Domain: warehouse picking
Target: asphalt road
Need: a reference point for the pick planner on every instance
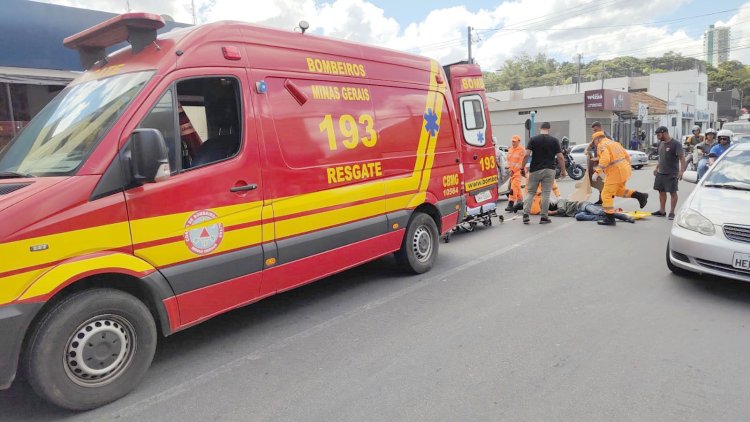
(568, 321)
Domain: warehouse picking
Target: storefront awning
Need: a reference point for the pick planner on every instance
(19, 75)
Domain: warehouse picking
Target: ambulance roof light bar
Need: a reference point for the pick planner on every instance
(137, 28)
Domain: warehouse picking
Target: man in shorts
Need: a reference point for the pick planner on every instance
(668, 171)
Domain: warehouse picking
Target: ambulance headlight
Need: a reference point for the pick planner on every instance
(693, 220)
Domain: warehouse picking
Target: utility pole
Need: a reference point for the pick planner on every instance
(604, 69)
(192, 2)
(468, 32)
(578, 81)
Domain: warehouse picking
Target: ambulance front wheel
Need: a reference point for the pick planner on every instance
(90, 349)
(420, 246)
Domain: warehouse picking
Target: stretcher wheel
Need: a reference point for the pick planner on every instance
(487, 222)
(501, 218)
(447, 237)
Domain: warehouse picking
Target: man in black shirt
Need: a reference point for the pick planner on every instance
(668, 171)
(544, 150)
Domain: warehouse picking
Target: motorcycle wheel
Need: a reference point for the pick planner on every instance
(577, 172)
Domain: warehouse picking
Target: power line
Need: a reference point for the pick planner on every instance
(615, 26)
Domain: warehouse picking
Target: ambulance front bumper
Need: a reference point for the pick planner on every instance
(14, 321)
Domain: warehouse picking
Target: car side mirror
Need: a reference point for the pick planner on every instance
(690, 176)
(149, 160)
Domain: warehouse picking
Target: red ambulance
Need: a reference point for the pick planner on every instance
(208, 168)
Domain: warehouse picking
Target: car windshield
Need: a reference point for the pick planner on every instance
(63, 134)
(737, 127)
(731, 172)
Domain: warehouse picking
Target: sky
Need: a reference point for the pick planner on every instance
(562, 29)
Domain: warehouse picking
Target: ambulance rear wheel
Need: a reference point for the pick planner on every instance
(420, 246)
(90, 349)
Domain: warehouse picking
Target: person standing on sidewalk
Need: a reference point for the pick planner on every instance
(515, 158)
(544, 150)
(668, 171)
(614, 162)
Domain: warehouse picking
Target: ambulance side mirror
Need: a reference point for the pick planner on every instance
(149, 160)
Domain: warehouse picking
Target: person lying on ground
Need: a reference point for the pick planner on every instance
(581, 210)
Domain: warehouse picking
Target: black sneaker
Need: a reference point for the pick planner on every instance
(526, 219)
(544, 220)
(609, 220)
(509, 208)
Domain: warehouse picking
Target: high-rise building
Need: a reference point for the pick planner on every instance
(716, 45)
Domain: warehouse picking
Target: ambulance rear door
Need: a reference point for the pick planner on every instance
(477, 151)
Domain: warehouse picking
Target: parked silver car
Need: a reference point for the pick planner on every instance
(638, 159)
(711, 232)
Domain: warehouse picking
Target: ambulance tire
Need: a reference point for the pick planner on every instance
(117, 334)
(419, 248)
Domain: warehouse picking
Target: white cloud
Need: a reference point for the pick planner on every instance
(612, 27)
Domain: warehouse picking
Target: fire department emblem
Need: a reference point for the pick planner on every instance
(203, 239)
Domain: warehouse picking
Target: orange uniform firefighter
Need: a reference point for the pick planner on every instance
(536, 205)
(515, 160)
(614, 162)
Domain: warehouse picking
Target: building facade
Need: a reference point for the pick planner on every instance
(684, 92)
(32, 72)
(728, 103)
(716, 45)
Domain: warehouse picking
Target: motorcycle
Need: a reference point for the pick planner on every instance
(575, 171)
(653, 153)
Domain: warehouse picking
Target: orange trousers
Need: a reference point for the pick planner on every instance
(516, 194)
(609, 192)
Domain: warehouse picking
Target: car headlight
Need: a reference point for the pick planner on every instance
(693, 220)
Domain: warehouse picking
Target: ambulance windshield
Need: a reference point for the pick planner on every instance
(58, 140)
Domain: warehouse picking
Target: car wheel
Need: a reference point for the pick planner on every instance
(675, 269)
(419, 248)
(90, 349)
(637, 167)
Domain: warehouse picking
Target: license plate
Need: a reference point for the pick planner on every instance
(483, 196)
(741, 261)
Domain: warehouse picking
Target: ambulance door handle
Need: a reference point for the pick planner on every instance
(251, 186)
(476, 156)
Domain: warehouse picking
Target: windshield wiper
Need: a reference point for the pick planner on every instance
(728, 186)
(14, 175)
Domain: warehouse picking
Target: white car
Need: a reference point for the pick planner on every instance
(638, 159)
(711, 232)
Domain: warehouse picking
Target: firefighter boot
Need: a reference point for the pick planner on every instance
(641, 197)
(609, 220)
(509, 208)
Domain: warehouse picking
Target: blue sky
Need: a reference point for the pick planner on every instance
(597, 29)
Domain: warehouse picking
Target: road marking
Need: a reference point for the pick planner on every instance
(230, 366)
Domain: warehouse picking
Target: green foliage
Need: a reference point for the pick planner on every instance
(525, 71)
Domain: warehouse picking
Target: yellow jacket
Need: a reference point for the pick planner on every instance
(614, 161)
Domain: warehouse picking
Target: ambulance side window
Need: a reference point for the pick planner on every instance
(472, 116)
(162, 117)
(209, 114)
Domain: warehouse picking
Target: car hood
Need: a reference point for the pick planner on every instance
(722, 206)
(14, 191)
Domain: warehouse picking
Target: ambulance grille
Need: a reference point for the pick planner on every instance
(6, 189)
(737, 233)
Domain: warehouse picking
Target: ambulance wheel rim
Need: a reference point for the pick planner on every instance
(422, 244)
(99, 351)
